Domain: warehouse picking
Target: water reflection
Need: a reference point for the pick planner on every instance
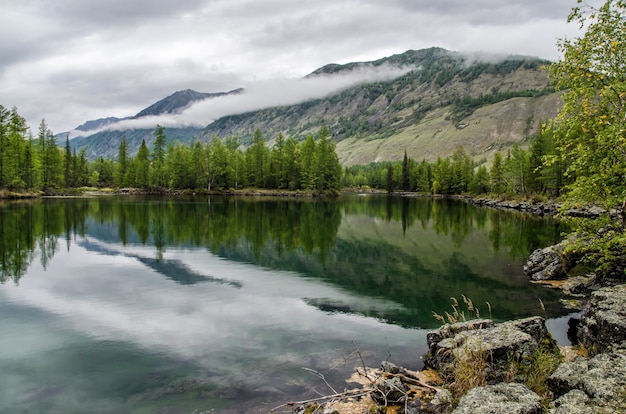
(199, 303)
(415, 252)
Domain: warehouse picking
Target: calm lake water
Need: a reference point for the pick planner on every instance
(146, 305)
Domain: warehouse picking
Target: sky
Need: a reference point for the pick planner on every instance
(69, 61)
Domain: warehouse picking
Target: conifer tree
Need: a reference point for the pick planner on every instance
(158, 157)
(122, 164)
(142, 161)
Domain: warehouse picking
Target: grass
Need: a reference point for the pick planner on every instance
(461, 313)
(469, 371)
(541, 367)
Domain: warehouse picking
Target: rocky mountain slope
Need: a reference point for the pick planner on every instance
(446, 100)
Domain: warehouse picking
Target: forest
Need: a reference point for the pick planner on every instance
(38, 164)
(311, 165)
(519, 172)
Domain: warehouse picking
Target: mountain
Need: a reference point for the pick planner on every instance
(178, 101)
(442, 100)
(98, 123)
(106, 142)
(447, 99)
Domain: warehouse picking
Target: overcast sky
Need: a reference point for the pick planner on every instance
(70, 61)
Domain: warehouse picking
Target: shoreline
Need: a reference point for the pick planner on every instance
(596, 362)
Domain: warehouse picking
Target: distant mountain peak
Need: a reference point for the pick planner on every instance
(97, 123)
(179, 100)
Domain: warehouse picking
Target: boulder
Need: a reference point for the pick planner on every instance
(593, 385)
(602, 326)
(547, 264)
(586, 212)
(498, 345)
(510, 398)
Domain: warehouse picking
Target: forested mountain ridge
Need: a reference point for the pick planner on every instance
(446, 100)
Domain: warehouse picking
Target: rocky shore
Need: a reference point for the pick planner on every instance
(478, 366)
(593, 381)
(510, 367)
(537, 207)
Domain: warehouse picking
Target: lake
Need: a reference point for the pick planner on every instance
(180, 305)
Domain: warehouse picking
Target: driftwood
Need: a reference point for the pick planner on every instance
(384, 386)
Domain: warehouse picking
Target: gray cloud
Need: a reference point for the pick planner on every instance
(69, 60)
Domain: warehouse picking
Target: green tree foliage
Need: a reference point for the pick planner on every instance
(389, 182)
(217, 165)
(158, 157)
(442, 176)
(406, 176)
(517, 170)
(221, 167)
(462, 170)
(590, 130)
(104, 170)
(142, 162)
(307, 166)
(424, 177)
(68, 172)
(480, 181)
(497, 174)
(257, 157)
(327, 170)
(17, 160)
(121, 169)
(50, 158)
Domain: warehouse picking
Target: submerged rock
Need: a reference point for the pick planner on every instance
(511, 398)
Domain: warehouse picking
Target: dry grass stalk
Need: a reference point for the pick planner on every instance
(461, 313)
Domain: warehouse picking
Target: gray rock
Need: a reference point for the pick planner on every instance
(547, 263)
(567, 376)
(602, 379)
(606, 378)
(602, 326)
(443, 398)
(449, 330)
(390, 391)
(533, 326)
(574, 402)
(497, 344)
(588, 212)
(509, 398)
(581, 285)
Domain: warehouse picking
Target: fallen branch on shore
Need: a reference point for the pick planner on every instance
(386, 386)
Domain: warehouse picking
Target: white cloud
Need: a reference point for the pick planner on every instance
(181, 319)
